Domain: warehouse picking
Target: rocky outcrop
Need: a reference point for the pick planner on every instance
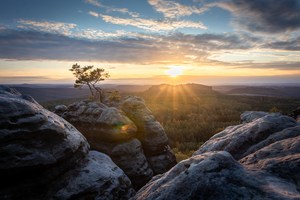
(100, 123)
(42, 156)
(249, 116)
(151, 134)
(216, 175)
(259, 159)
(239, 140)
(130, 135)
(110, 131)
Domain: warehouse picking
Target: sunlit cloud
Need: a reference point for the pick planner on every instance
(148, 24)
(172, 9)
(46, 26)
(207, 50)
(112, 9)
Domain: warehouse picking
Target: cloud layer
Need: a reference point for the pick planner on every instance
(142, 49)
(172, 9)
(268, 16)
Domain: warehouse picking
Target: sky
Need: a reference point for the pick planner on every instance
(140, 41)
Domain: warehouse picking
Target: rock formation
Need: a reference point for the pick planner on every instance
(42, 156)
(151, 134)
(131, 136)
(259, 159)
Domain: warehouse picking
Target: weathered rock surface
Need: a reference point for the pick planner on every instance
(216, 175)
(129, 156)
(131, 136)
(249, 116)
(96, 178)
(99, 122)
(237, 140)
(110, 131)
(255, 160)
(150, 133)
(42, 156)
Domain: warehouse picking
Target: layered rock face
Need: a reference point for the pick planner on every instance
(42, 156)
(259, 159)
(151, 134)
(131, 136)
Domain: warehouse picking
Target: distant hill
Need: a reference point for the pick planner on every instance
(275, 91)
(132, 88)
(166, 91)
(51, 94)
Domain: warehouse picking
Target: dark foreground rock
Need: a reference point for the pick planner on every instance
(255, 160)
(42, 156)
(131, 136)
(216, 175)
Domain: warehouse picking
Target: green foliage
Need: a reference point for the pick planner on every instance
(192, 120)
(88, 76)
(114, 96)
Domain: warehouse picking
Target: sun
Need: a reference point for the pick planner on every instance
(174, 71)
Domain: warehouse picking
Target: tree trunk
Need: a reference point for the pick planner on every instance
(100, 93)
(91, 90)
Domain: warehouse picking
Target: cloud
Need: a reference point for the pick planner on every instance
(289, 44)
(142, 49)
(273, 65)
(46, 26)
(265, 16)
(112, 9)
(68, 29)
(172, 9)
(148, 24)
(93, 2)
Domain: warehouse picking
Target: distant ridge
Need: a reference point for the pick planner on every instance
(183, 90)
(266, 91)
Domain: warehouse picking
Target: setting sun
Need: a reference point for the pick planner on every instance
(174, 71)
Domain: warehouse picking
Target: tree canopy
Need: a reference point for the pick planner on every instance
(89, 76)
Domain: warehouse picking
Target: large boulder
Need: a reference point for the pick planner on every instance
(110, 131)
(280, 157)
(216, 175)
(237, 140)
(129, 156)
(130, 135)
(97, 177)
(249, 116)
(42, 156)
(259, 159)
(99, 122)
(150, 133)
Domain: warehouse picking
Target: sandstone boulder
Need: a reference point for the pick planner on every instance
(129, 157)
(150, 133)
(97, 177)
(42, 156)
(216, 175)
(237, 140)
(99, 122)
(131, 136)
(110, 131)
(249, 116)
